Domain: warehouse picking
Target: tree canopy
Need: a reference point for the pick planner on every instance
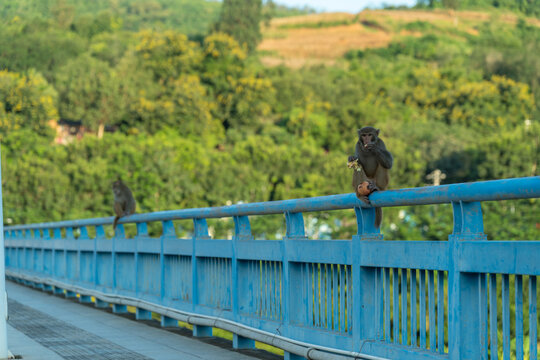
(192, 119)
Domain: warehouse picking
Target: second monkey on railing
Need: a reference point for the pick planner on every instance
(371, 163)
(124, 202)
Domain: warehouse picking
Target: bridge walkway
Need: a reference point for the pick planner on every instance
(50, 327)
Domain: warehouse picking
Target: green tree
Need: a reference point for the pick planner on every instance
(89, 90)
(27, 102)
(167, 54)
(241, 19)
(241, 93)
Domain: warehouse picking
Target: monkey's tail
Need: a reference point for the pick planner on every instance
(115, 221)
(378, 217)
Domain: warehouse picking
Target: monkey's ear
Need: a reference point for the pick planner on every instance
(377, 132)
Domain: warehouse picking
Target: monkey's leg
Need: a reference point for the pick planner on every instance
(378, 211)
(119, 211)
(115, 222)
(372, 185)
(378, 217)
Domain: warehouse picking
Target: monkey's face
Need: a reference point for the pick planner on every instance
(117, 187)
(367, 138)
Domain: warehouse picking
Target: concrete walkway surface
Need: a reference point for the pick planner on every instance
(42, 326)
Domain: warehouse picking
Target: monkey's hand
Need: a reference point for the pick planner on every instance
(371, 147)
(372, 186)
(364, 198)
(352, 158)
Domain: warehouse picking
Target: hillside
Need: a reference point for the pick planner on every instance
(171, 108)
(324, 38)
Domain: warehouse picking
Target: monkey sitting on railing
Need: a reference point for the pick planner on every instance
(124, 202)
(371, 163)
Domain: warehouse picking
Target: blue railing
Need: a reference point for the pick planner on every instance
(318, 299)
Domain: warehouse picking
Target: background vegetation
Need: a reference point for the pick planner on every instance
(189, 116)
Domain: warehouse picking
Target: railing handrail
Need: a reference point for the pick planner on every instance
(491, 190)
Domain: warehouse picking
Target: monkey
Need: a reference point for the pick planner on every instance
(374, 163)
(124, 203)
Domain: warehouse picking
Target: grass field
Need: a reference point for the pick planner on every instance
(325, 38)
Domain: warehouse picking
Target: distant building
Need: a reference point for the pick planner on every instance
(68, 130)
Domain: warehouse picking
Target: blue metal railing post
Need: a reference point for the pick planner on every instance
(200, 232)
(57, 236)
(364, 281)
(242, 232)
(467, 296)
(142, 231)
(295, 230)
(98, 240)
(169, 231)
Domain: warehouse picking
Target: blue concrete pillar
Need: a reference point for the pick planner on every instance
(85, 299)
(101, 304)
(142, 314)
(240, 342)
(168, 321)
(290, 356)
(202, 331)
(119, 309)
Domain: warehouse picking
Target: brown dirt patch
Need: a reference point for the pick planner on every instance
(311, 45)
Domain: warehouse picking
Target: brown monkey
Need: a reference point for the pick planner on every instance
(374, 163)
(124, 203)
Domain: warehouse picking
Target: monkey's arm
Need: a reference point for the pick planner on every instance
(356, 155)
(385, 159)
(383, 156)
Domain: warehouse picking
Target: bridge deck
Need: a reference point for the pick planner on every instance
(49, 327)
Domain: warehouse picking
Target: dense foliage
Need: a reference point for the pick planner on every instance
(527, 7)
(191, 121)
(240, 19)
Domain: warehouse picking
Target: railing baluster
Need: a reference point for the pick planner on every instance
(413, 308)
(309, 294)
(440, 311)
(422, 297)
(349, 299)
(273, 266)
(200, 232)
(506, 316)
(431, 305)
(533, 318)
(387, 314)
(342, 295)
(483, 315)
(493, 316)
(335, 300)
(265, 288)
(404, 335)
(327, 299)
(519, 317)
(395, 307)
(317, 304)
(380, 304)
(257, 286)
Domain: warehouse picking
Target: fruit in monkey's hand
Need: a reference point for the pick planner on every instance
(354, 165)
